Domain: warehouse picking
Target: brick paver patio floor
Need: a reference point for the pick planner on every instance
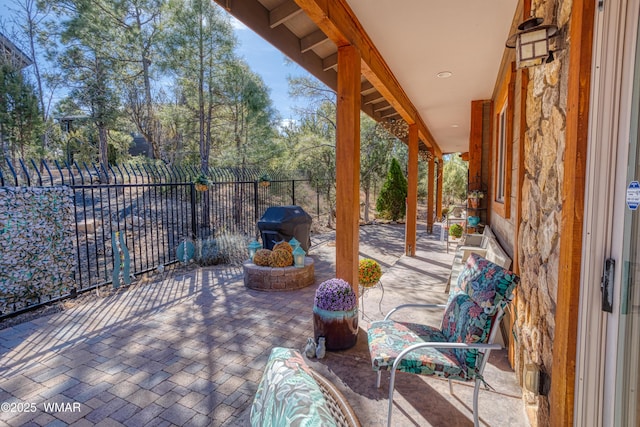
(189, 349)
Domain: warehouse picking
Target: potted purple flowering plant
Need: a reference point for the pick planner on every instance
(335, 314)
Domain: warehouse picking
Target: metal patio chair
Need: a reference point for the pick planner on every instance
(460, 348)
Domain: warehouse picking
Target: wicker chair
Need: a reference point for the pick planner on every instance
(291, 392)
(338, 405)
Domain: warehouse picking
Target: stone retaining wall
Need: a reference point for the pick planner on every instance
(37, 258)
(280, 278)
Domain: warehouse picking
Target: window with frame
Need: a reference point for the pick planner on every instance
(502, 146)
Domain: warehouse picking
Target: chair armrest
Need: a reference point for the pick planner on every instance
(414, 347)
(403, 306)
(468, 251)
(473, 240)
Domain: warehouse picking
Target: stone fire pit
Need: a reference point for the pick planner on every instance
(278, 278)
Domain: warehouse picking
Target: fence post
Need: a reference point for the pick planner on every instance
(318, 201)
(293, 191)
(194, 217)
(255, 200)
(13, 172)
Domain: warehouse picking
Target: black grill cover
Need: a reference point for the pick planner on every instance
(280, 223)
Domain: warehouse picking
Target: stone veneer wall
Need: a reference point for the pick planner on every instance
(37, 258)
(539, 237)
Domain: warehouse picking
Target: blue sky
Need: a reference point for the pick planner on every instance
(271, 65)
(263, 59)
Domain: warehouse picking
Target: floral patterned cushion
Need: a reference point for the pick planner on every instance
(388, 338)
(465, 321)
(288, 395)
(488, 284)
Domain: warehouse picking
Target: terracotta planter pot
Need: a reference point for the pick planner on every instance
(340, 328)
(473, 202)
(201, 187)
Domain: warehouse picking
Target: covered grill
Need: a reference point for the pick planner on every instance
(280, 223)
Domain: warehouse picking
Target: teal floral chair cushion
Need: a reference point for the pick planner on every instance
(465, 321)
(388, 338)
(288, 395)
(488, 284)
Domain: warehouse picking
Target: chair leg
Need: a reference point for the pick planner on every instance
(476, 391)
(378, 378)
(450, 386)
(392, 381)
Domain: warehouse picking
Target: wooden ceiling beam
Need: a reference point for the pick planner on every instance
(313, 40)
(283, 13)
(381, 106)
(366, 88)
(372, 98)
(390, 115)
(330, 62)
(255, 16)
(336, 19)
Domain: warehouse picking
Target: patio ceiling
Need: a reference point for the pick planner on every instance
(416, 40)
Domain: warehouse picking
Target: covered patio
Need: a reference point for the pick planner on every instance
(188, 348)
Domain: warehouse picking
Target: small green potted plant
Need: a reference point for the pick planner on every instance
(445, 213)
(456, 231)
(201, 182)
(369, 272)
(264, 180)
(335, 314)
(474, 198)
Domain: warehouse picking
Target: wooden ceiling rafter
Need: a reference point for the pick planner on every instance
(336, 19)
(281, 14)
(391, 115)
(282, 24)
(330, 62)
(257, 17)
(366, 88)
(313, 40)
(381, 106)
(372, 98)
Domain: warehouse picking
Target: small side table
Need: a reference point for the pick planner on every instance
(365, 289)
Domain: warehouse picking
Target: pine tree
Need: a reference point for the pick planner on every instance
(392, 198)
(20, 120)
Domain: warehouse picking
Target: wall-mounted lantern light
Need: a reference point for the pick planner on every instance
(531, 42)
(298, 257)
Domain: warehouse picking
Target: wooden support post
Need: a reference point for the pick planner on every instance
(412, 193)
(430, 190)
(348, 165)
(475, 145)
(439, 191)
(562, 393)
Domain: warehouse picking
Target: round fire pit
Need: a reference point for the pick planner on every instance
(278, 278)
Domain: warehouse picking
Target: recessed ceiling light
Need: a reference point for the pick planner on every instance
(455, 126)
(444, 74)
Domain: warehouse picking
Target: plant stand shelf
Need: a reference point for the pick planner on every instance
(366, 289)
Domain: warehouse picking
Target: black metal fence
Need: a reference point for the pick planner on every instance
(156, 207)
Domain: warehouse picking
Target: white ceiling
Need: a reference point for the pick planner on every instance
(420, 38)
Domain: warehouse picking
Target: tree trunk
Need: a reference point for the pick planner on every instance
(31, 29)
(151, 122)
(366, 204)
(103, 144)
(204, 147)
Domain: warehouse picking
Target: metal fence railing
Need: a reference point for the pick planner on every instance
(155, 207)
